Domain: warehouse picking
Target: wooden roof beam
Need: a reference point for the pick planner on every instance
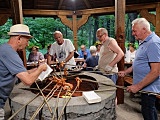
(104, 10)
(111, 10)
(87, 4)
(60, 4)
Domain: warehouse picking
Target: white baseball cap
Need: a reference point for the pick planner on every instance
(20, 29)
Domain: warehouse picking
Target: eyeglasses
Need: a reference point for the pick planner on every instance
(99, 36)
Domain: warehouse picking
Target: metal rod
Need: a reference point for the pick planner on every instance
(27, 103)
(65, 113)
(99, 90)
(123, 87)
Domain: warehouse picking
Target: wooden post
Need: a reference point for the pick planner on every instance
(17, 17)
(120, 37)
(157, 30)
(74, 25)
(75, 31)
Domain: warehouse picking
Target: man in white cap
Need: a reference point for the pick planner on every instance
(11, 65)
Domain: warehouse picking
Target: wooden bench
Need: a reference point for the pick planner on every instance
(128, 80)
(158, 97)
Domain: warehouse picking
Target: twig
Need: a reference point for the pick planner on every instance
(56, 107)
(40, 107)
(28, 103)
(67, 102)
(44, 98)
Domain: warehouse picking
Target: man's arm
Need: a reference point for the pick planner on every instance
(115, 48)
(125, 72)
(49, 59)
(30, 76)
(71, 54)
(148, 79)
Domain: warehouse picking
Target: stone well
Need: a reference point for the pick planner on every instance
(76, 109)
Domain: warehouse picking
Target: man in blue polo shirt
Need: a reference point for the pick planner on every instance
(146, 67)
(84, 53)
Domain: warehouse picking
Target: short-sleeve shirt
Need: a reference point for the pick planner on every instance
(81, 54)
(92, 61)
(10, 65)
(62, 52)
(35, 58)
(148, 52)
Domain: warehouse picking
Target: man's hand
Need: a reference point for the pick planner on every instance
(62, 64)
(42, 61)
(133, 88)
(43, 66)
(121, 73)
(108, 68)
(95, 68)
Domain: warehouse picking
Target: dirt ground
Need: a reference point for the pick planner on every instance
(130, 110)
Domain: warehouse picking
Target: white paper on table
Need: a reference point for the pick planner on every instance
(44, 74)
(91, 97)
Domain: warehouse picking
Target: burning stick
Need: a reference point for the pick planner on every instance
(78, 83)
(28, 102)
(56, 107)
(44, 98)
(47, 98)
(65, 72)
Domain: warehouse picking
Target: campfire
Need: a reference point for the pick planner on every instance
(68, 84)
(59, 96)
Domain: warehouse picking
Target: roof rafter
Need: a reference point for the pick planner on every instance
(60, 4)
(87, 4)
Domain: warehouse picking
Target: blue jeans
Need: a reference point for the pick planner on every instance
(148, 108)
(113, 77)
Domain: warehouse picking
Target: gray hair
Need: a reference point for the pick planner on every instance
(93, 49)
(57, 32)
(103, 31)
(142, 22)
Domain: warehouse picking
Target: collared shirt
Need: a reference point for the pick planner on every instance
(148, 52)
(10, 65)
(81, 54)
(35, 57)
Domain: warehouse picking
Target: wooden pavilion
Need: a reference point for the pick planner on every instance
(80, 11)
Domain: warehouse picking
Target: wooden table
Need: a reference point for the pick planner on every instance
(79, 59)
(127, 65)
(31, 65)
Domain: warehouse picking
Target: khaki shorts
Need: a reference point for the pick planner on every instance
(1, 114)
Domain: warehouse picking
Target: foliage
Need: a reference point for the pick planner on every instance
(4, 29)
(42, 29)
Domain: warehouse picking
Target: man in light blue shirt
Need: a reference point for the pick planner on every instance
(146, 67)
(84, 53)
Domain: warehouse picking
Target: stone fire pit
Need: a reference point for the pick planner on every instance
(76, 109)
